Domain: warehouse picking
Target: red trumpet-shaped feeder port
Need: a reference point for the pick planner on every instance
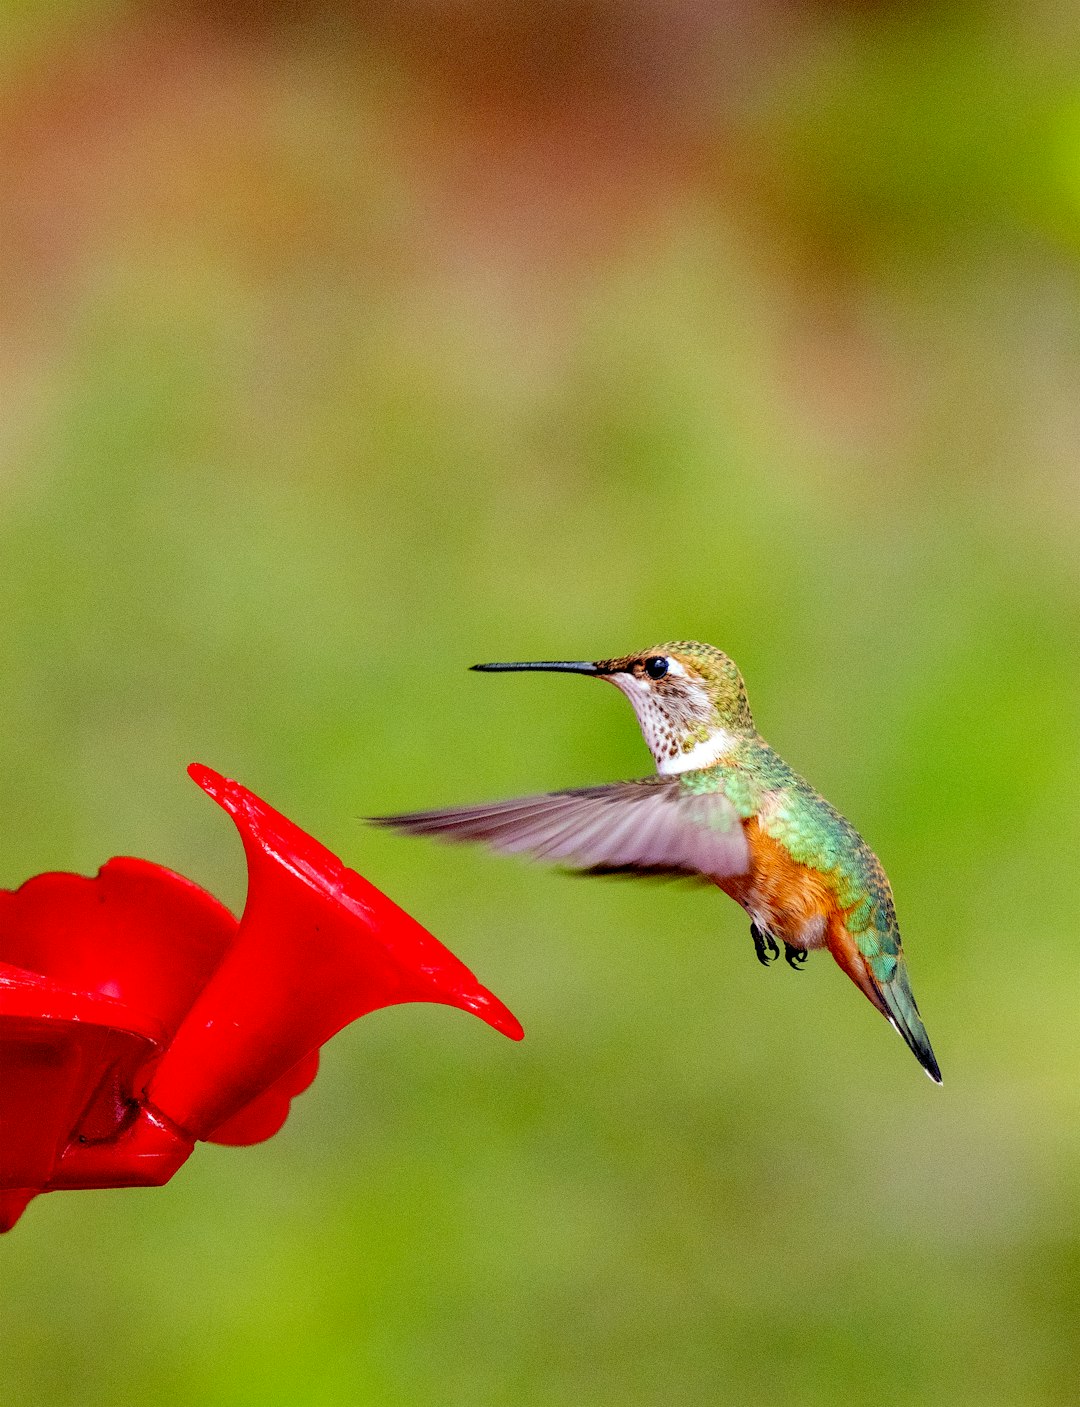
(138, 1016)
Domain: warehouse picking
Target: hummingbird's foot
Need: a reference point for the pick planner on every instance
(795, 957)
(764, 945)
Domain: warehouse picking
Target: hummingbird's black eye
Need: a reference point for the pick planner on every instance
(656, 666)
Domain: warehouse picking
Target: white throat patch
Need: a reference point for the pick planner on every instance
(703, 754)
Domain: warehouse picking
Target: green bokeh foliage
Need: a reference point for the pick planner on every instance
(263, 512)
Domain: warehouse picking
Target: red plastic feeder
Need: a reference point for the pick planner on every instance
(138, 1016)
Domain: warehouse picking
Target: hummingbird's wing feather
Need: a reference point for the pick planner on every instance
(652, 826)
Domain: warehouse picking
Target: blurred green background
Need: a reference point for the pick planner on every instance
(344, 345)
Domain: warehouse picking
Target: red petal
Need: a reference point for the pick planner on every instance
(135, 932)
(318, 947)
(267, 1111)
(13, 1204)
(67, 1059)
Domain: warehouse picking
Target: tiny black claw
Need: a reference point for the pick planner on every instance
(764, 945)
(795, 957)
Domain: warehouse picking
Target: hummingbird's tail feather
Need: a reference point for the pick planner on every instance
(893, 998)
(899, 1006)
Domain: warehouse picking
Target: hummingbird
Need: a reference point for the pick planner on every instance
(724, 808)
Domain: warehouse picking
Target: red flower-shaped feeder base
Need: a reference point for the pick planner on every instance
(138, 1016)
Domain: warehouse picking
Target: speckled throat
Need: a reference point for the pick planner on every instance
(679, 729)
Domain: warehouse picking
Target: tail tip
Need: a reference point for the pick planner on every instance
(928, 1061)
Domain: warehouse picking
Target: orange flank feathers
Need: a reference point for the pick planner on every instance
(794, 902)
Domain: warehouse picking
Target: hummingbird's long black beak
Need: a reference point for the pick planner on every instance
(547, 666)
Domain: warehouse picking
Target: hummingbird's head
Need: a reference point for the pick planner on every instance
(690, 699)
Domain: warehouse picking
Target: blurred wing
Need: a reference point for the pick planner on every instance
(653, 826)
